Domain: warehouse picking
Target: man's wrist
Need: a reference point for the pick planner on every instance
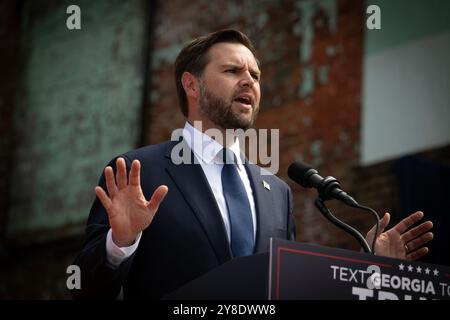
(115, 255)
(121, 243)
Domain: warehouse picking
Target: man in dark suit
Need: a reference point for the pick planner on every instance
(216, 207)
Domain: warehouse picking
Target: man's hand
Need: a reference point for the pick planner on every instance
(401, 242)
(129, 212)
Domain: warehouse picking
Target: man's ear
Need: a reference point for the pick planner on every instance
(190, 84)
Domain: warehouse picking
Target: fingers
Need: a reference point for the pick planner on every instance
(157, 197)
(417, 231)
(406, 223)
(110, 182)
(383, 225)
(384, 222)
(134, 177)
(104, 199)
(121, 174)
(417, 254)
(420, 241)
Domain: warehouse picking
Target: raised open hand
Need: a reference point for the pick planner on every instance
(129, 212)
(401, 241)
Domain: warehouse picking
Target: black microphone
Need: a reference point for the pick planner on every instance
(329, 187)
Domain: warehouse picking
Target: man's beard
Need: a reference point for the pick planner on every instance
(221, 113)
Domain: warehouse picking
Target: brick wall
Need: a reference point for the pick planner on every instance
(311, 58)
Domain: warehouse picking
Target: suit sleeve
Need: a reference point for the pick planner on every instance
(291, 229)
(98, 279)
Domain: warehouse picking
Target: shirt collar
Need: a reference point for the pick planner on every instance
(205, 148)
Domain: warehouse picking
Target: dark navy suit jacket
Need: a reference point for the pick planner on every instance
(186, 238)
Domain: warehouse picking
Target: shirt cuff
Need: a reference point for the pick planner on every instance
(115, 255)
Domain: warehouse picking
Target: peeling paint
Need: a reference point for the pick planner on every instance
(316, 152)
(154, 96)
(307, 121)
(307, 84)
(304, 28)
(165, 55)
(330, 8)
(322, 74)
(299, 157)
(344, 137)
(276, 101)
(331, 51)
(308, 101)
(262, 20)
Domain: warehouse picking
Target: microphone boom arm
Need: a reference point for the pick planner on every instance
(320, 204)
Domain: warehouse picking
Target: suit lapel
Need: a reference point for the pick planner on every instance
(264, 205)
(193, 185)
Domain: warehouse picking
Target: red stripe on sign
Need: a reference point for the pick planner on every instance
(280, 249)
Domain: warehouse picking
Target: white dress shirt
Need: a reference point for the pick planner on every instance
(206, 151)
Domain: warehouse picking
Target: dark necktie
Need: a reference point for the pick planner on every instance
(240, 214)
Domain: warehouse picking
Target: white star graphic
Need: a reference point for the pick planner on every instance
(410, 268)
(427, 271)
(435, 272)
(401, 266)
(419, 269)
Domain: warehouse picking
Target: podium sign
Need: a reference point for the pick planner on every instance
(304, 271)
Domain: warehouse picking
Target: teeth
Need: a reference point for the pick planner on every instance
(245, 100)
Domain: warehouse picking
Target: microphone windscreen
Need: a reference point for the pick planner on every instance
(297, 172)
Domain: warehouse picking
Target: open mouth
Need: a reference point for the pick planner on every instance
(244, 100)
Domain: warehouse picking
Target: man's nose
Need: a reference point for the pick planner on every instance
(247, 80)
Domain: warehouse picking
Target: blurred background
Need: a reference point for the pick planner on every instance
(370, 107)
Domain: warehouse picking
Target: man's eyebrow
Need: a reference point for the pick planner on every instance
(232, 65)
(240, 66)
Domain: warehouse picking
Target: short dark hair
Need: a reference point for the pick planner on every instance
(193, 57)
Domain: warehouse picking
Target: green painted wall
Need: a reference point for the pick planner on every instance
(406, 20)
(406, 80)
(81, 106)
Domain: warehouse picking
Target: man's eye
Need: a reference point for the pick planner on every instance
(231, 70)
(255, 76)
